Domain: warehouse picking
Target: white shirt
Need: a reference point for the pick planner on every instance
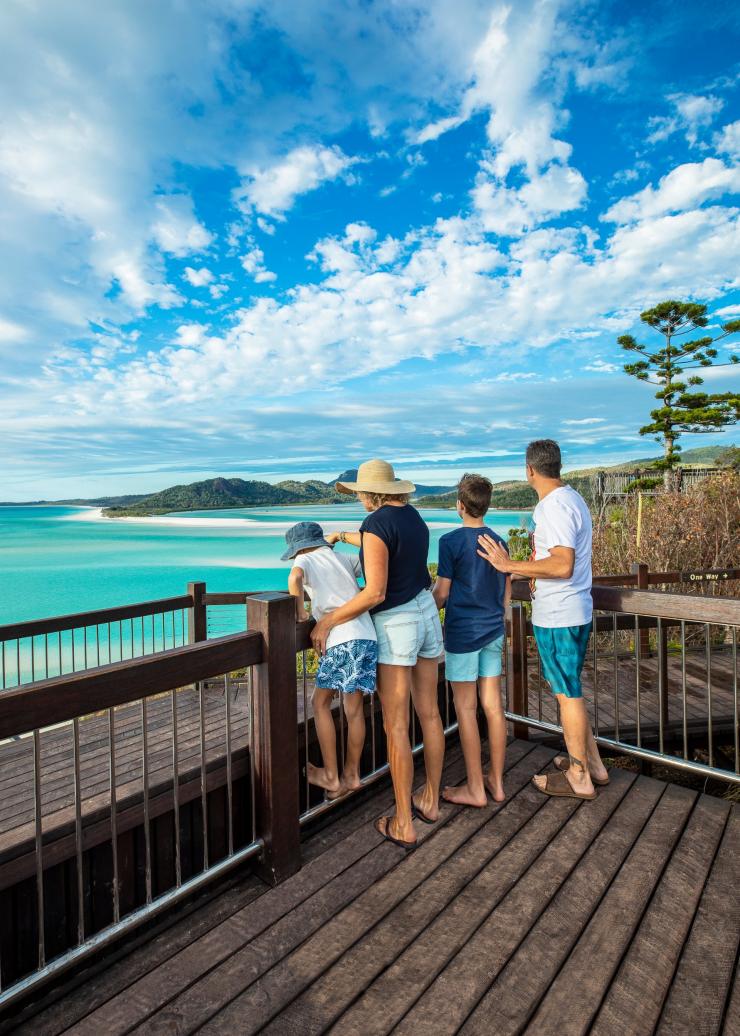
(562, 519)
(331, 580)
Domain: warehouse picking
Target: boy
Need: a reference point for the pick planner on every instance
(475, 597)
(350, 662)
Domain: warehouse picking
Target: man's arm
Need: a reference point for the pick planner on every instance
(295, 588)
(559, 565)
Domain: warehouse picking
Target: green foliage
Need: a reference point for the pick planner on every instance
(730, 458)
(519, 545)
(681, 410)
(643, 484)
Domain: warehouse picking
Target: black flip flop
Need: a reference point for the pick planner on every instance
(408, 846)
(419, 814)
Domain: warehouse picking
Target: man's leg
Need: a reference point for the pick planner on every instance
(576, 730)
(326, 777)
(354, 710)
(393, 691)
(424, 679)
(473, 792)
(595, 765)
(490, 699)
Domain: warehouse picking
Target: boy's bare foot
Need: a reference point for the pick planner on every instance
(318, 776)
(461, 795)
(495, 788)
(429, 811)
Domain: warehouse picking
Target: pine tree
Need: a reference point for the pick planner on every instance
(680, 410)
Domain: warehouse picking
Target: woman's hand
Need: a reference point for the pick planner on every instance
(495, 554)
(320, 632)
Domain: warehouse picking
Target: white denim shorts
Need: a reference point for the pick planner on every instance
(409, 632)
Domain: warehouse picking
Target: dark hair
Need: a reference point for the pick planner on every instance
(543, 456)
(474, 492)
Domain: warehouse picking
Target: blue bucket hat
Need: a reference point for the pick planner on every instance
(302, 535)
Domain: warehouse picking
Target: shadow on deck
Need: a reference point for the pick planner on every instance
(541, 915)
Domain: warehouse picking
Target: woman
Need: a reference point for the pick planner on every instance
(394, 543)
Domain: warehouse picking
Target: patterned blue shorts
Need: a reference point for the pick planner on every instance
(349, 667)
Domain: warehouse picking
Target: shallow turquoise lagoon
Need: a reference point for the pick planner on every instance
(56, 560)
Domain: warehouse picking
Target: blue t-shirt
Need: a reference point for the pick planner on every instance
(474, 613)
(406, 536)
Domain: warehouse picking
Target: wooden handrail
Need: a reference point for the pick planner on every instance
(78, 694)
(80, 620)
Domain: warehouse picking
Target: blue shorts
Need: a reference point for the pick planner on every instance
(467, 666)
(348, 667)
(562, 653)
(409, 631)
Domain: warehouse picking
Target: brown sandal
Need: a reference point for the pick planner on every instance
(563, 765)
(382, 826)
(558, 785)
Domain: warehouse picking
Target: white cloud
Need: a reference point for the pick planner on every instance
(176, 229)
(272, 189)
(253, 263)
(198, 278)
(691, 114)
(12, 333)
(586, 420)
(684, 187)
(727, 141)
(509, 211)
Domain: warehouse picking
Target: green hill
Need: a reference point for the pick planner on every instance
(218, 493)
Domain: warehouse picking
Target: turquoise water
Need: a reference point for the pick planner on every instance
(55, 560)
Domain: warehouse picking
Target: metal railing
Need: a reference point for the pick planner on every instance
(163, 735)
(660, 679)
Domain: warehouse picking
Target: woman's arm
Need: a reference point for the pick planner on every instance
(372, 594)
(353, 538)
(295, 587)
(441, 591)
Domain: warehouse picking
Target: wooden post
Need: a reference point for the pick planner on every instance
(520, 687)
(642, 573)
(275, 739)
(197, 624)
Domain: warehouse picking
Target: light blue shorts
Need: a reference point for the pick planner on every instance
(409, 632)
(467, 666)
(562, 653)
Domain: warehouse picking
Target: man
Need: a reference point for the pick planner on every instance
(562, 611)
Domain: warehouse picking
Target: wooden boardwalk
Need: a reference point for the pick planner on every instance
(541, 915)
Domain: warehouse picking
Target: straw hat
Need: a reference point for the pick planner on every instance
(376, 476)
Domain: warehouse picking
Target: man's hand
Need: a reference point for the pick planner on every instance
(319, 634)
(495, 554)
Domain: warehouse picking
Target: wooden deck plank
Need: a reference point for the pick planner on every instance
(322, 1003)
(577, 988)
(732, 1015)
(249, 1006)
(704, 975)
(448, 928)
(317, 885)
(459, 988)
(651, 959)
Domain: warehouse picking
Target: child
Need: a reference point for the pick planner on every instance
(475, 598)
(350, 663)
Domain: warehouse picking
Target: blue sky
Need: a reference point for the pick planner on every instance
(259, 239)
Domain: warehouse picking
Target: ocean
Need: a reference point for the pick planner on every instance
(55, 560)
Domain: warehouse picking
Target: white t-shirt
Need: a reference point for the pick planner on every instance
(331, 580)
(562, 519)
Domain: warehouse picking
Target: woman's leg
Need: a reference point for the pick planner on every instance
(354, 710)
(326, 776)
(473, 792)
(490, 699)
(424, 694)
(394, 682)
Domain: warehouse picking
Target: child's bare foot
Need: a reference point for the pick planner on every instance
(496, 788)
(350, 782)
(427, 811)
(461, 795)
(318, 776)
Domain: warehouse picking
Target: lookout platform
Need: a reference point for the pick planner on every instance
(537, 915)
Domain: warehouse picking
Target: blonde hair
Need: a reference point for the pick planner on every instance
(378, 499)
